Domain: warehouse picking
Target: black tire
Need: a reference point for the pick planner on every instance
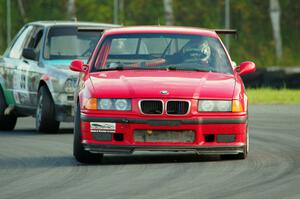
(79, 153)
(45, 118)
(240, 156)
(7, 122)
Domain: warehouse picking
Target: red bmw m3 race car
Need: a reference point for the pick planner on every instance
(157, 88)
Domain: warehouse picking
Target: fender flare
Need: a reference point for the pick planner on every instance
(44, 81)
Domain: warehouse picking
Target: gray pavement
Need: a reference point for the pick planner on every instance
(34, 165)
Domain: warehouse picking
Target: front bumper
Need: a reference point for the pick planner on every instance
(165, 122)
(203, 128)
(127, 149)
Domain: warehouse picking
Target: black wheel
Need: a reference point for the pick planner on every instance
(240, 156)
(7, 122)
(79, 153)
(45, 113)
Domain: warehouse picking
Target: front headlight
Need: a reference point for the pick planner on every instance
(114, 104)
(105, 104)
(70, 85)
(122, 104)
(108, 104)
(214, 106)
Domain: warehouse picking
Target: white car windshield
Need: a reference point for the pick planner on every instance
(69, 43)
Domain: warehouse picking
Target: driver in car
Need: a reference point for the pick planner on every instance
(197, 51)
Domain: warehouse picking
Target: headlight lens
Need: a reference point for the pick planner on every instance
(121, 104)
(214, 105)
(105, 104)
(114, 104)
(70, 85)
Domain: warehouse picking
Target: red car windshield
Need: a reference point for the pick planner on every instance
(162, 51)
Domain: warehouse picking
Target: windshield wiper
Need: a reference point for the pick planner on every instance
(129, 68)
(189, 69)
(121, 67)
(200, 70)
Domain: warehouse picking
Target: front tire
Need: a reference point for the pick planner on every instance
(7, 122)
(45, 119)
(79, 153)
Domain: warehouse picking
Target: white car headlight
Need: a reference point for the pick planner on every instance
(70, 85)
(114, 104)
(214, 106)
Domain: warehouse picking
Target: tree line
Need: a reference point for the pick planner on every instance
(257, 39)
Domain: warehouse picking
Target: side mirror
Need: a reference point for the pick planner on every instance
(246, 68)
(29, 53)
(78, 66)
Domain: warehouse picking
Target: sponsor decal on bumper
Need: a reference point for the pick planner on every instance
(103, 127)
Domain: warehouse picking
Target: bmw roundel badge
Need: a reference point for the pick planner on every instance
(164, 92)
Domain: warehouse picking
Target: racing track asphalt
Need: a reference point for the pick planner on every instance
(41, 166)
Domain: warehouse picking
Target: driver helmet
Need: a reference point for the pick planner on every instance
(198, 51)
(205, 51)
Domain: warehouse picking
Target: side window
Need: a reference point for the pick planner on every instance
(35, 41)
(17, 48)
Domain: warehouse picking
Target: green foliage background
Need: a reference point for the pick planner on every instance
(250, 17)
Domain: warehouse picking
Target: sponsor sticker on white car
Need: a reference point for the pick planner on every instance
(103, 127)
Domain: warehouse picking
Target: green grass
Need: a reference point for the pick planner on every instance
(273, 96)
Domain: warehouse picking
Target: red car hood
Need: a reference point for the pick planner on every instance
(149, 84)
